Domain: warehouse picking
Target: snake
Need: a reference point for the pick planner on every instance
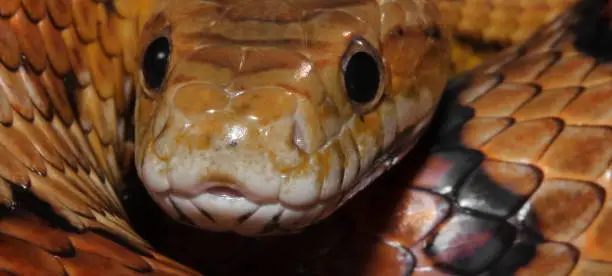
(269, 137)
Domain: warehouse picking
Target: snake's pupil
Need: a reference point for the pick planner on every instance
(361, 77)
(155, 62)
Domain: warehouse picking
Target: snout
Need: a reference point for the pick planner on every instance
(254, 165)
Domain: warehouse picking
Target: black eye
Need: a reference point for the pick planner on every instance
(155, 62)
(361, 77)
(362, 71)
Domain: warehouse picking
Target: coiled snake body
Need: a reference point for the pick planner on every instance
(265, 117)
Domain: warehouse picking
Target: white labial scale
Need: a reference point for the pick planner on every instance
(166, 204)
(335, 168)
(366, 145)
(389, 120)
(256, 222)
(194, 214)
(253, 172)
(351, 158)
(301, 188)
(289, 218)
(308, 134)
(152, 174)
(226, 211)
(405, 108)
(332, 123)
(412, 110)
(184, 175)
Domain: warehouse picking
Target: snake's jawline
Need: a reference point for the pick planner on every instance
(389, 158)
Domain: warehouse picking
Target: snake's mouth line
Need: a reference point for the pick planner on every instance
(224, 201)
(220, 189)
(227, 192)
(223, 209)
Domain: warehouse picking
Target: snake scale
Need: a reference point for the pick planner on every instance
(268, 117)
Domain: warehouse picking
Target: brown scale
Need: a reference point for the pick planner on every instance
(29, 246)
(65, 164)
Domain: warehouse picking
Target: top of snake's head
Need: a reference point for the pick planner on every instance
(264, 116)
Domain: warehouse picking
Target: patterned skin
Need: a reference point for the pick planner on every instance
(481, 28)
(514, 178)
(65, 93)
(252, 128)
(541, 209)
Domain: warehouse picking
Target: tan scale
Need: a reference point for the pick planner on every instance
(253, 103)
(494, 22)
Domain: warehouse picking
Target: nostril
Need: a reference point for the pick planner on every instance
(224, 192)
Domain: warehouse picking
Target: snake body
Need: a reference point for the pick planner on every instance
(512, 178)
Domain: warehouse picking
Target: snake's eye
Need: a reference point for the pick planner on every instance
(155, 61)
(362, 73)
